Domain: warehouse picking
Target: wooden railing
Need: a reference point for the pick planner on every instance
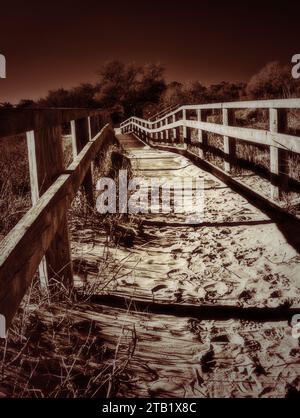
(174, 129)
(41, 238)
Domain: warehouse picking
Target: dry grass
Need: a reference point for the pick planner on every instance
(53, 349)
(15, 197)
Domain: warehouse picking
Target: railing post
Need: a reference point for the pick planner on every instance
(162, 132)
(174, 129)
(73, 136)
(229, 143)
(89, 128)
(167, 132)
(35, 195)
(278, 156)
(82, 138)
(202, 135)
(46, 164)
(184, 130)
(151, 135)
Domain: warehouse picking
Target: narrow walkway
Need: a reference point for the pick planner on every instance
(236, 257)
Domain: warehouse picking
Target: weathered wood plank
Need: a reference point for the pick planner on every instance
(229, 143)
(256, 104)
(278, 156)
(18, 121)
(73, 136)
(35, 195)
(174, 129)
(18, 260)
(50, 164)
(184, 126)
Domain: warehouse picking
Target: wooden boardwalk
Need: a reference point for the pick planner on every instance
(235, 258)
(198, 308)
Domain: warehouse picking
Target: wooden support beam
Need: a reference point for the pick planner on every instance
(162, 132)
(167, 135)
(279, 167)
(229, 143)
(73, 136)
(82, 138)
(174, 130)
(167, 131)
(148, 134)
(89, 127)
(184, 128)
(46, 165)
(202, 135)
(35, 195)
(199, 119)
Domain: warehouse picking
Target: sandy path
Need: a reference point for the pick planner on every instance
(236, 257)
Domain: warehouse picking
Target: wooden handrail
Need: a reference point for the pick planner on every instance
(254, 136)
(18, 121)
(42, 234)
(257, 104)
(177, 124)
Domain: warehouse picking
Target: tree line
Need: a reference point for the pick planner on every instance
(124, 90)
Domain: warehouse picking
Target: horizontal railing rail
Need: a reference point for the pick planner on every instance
(18, 121)
(40, 240)
(175, 129)
(258, 104)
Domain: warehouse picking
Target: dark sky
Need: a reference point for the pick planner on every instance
(50, 44)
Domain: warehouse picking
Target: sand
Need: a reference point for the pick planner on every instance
(234, 256)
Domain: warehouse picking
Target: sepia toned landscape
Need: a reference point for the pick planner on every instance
(157, 303)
